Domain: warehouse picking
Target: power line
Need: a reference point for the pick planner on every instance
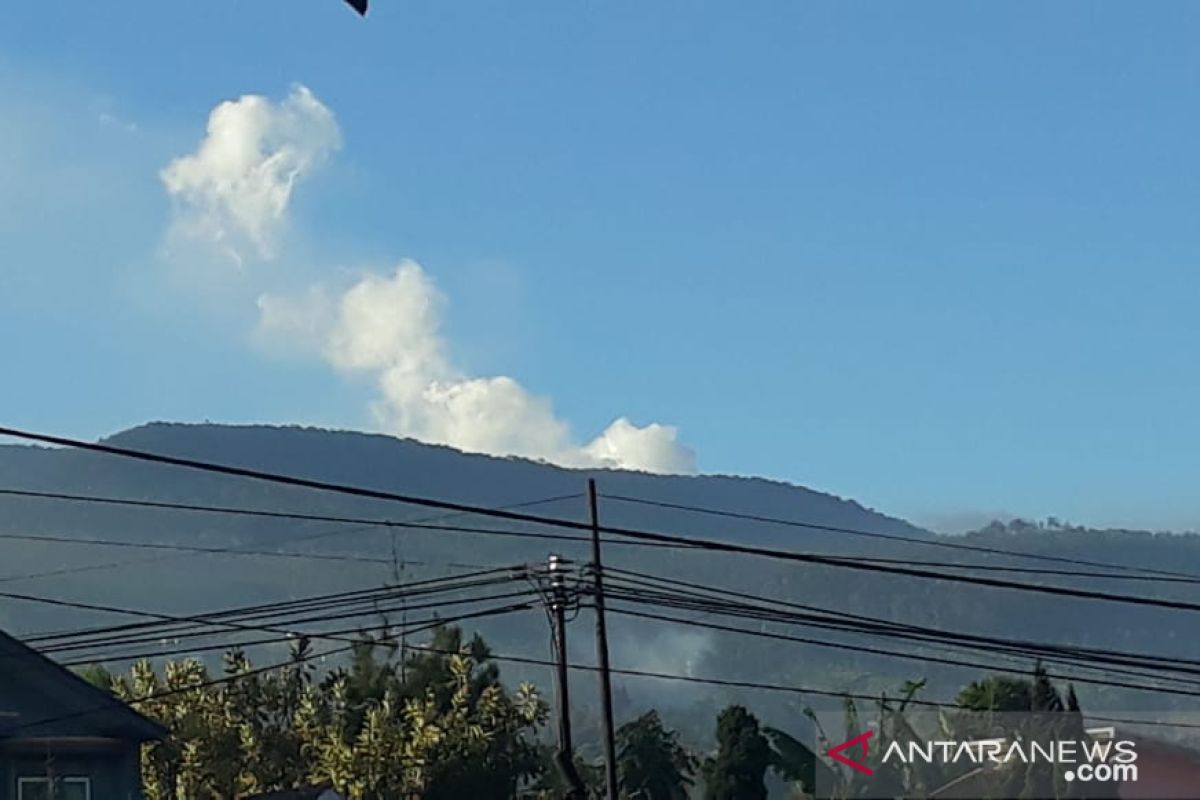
(186, 548)
(357, 525)
(176, 624)
(194, 619)
(985, 644)
(775, 687)
(365, 522)
(648, 536)
(29, 493)
(630, 533)
(1069, 573)
(351, 611)
(717, 512)
(295, 661)
(287, 480)
(349, 605)
(353, 634)
(170, 623)
(368, 523)
(866, 566)
(928, 658)
(818, 617)
(946, 641)
(637, 673)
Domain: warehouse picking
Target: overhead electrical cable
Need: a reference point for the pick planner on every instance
(629, 533)
(960, 546)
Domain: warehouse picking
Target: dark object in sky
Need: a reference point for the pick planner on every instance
(359, 5)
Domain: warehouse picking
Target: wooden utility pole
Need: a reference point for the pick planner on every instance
(610, 745)
(566, 748)
(398, 579)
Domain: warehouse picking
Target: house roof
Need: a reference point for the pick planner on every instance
(55, 701)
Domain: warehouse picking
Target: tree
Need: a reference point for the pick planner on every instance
(651, 764)
(997, 693)
(895, 779)
(459, 733)
(738, 769)
(1046, 714)
(793, 761)
(430, 669)
(1072, 700)
(1043, 695)
(96, 675)
(552, 784)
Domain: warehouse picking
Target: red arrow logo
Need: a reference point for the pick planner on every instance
(860, 742)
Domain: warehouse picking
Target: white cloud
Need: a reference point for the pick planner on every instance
(387, 326)
(234, 190)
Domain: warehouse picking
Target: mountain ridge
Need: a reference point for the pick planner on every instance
(321, 453)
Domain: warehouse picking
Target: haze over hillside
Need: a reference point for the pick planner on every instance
(177, 582)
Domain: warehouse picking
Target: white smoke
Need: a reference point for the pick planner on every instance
(387, 327)
(674, 651)
(234, 193)
(234, 190)
(653, 448)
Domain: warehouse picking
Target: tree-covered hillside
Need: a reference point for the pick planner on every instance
(326, 556)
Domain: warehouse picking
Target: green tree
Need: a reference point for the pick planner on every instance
(1046, 714)
(793, 761)
(369, 678)
(1043, 696)
(361, 729)
(651, 764)
(891, 779)
(997, 693)
(96, 675)
(552, 784)
(738, 769)
(429, 669)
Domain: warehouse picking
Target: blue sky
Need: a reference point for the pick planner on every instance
(937, 257)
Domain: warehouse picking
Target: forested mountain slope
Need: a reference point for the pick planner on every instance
(175, 582)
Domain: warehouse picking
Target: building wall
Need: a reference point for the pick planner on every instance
(50, 715)
(113, 771)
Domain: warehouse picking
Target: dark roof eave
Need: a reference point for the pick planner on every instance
(142, 728)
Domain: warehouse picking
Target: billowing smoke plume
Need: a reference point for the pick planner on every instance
(234, 192)
(387, 327)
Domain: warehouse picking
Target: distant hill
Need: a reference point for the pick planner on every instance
(374, 461)
(181, 582)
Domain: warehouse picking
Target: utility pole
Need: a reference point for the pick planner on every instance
(397, 586)
(606, 704)
(398, 579)
(566, 750)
